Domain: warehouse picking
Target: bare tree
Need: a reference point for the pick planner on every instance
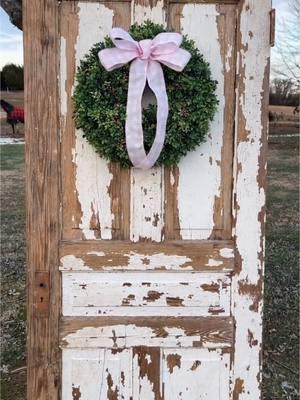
(14, 10)
(286, 61)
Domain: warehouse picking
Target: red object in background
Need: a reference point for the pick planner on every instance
(16, 115)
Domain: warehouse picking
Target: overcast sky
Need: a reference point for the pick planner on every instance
(11, 49)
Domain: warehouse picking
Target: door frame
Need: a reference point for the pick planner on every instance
(41, 61)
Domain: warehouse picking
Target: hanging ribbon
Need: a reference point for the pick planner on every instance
(147, 55)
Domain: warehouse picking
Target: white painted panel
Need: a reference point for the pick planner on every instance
(92, 173)
(146, 203)
(199, 171)
(193, 374)
(91, 294)
(96, 374)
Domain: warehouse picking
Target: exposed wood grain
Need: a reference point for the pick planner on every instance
(223, 205)
(146, 366)
(42, 193)
(71, 209)
(181, 255)
(120, 332)
(172, 226)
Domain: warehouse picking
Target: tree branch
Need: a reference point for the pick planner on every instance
(14, 9)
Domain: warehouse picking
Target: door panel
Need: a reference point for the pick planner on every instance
(173, 256)
(148, 305)
(102, 201)
(92, 294)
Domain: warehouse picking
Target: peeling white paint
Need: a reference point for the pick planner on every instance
(213, 263)
(126, 336)
(94, 372)
(71, 262)
(63, 77)
(140, 13)
(96, 253)
(196, 201)
(92, 173)
(146, 204)
(228, 57)
(226, 252)
(130, 294)
(250, 199)
(186, 382)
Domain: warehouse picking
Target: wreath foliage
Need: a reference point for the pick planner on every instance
(100, 103)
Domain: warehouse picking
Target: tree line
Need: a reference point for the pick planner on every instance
(12, 77)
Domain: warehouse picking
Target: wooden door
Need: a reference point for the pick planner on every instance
(145, 284)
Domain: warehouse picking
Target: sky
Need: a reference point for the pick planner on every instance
(11, 48)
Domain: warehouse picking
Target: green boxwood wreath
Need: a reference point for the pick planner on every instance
(100, 103)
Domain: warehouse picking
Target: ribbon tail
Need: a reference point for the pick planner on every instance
(156, 81)
(140, 72)
(133, 126)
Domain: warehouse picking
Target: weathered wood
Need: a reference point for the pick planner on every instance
(42, 194)
(96, 195)
(141, 294)
(249, 194)
(191, 212)
(176, 255)
(120, 332)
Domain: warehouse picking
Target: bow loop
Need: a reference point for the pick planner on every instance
(147, 56)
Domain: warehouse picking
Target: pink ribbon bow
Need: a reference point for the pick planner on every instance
(147, 55)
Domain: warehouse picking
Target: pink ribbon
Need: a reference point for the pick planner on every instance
(147, 55)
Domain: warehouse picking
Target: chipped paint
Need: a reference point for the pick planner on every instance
(106, 294)
(144, 256)
(186, 380)
(141, 11)
(247, 286)
(211, 333)
(63, 77)
(173, 360)
(146, 205)
(149, 359)
(197, 22)
(213, 263)
(93, 177)
(226, 253)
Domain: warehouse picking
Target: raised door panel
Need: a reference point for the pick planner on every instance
(190, 201)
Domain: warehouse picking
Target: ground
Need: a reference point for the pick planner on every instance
(283, 120)
(281, 323)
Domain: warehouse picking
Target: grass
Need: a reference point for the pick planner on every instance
(13, 315)
(281, 316)
(281, 325)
